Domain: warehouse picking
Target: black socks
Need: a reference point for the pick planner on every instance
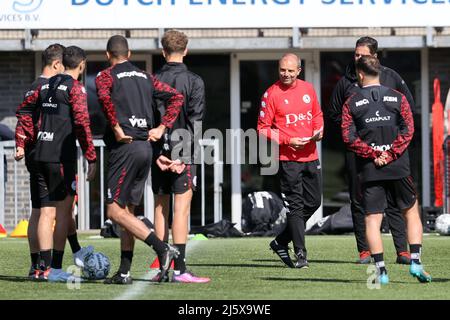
(416, 251)
(57, 259)
(153, 241)
(126, 258)
(180, 262)
(35, 259)
(46, 259)
(379, 262)
(74, 244)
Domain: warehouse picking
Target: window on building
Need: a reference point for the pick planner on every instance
(215, 72)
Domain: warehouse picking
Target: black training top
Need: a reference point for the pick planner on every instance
(348, 84)
(63, 117)
(127, 95)
(192, 87)
(378, 119)
(28, 112)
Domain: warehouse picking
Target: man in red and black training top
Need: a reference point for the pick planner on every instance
(377, 125)
(367, 46)
(63, 117)
(52, 61)
(290, 114)
(127, 95)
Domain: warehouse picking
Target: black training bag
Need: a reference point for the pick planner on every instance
(223, 228)
(263, 214)
(112, 230)
(338, 223)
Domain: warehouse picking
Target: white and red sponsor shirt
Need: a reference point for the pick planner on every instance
(291, 112)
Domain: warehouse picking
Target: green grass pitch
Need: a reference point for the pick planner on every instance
(241, 269)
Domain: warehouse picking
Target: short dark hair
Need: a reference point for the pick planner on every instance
(174, 41)
(53, 53)
(368, 65)
(368, 42)
(117, 46)
(73, 56)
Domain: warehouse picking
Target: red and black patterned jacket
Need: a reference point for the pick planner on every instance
(63, 117)
(376, 119)
(28, 113)
(128, 95)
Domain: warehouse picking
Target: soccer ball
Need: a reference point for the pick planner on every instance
(442, 224)
(96, 266)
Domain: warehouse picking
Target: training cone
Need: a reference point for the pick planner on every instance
(155, 264)
(3, 233)
(21, 230)
(199, 237)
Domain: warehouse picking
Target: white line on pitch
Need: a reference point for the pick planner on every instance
(138, 287)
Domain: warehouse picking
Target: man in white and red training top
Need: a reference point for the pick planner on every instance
(290, 114)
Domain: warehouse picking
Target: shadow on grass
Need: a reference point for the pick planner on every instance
(238, 265)
(321, 280)
(26, 279)
(310, 261)
(332, 261)
(313, 280)
(14, 278)
(440, 280)
(145, 280)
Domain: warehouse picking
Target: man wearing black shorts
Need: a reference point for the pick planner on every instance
(127, 95)
(52, 60)
(367, 46)
(172, 175)
(377, 125)
(63, 117)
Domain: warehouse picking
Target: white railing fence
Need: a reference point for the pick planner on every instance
(18, 187)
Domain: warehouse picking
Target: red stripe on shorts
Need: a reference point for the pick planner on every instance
(119, 184)
(189, 176)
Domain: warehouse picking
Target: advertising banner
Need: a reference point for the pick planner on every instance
(137, 14)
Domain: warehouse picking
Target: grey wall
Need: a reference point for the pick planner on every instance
(17, 72)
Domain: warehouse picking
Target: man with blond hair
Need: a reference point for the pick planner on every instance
(177, 176)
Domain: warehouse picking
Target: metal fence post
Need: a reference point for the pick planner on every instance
(2, 184)
(15, 193)
(218, 178)
(202, 159)
(80, 191)
(102, 186)
(149, 201)
(447, 175)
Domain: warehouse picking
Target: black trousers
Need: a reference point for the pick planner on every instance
(393, 215)
(301, 191)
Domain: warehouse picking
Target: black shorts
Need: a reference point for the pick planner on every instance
(167, 182)
(55, 181)
(35, 181)
(128, 169)
(301, 187)
(377, 194)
